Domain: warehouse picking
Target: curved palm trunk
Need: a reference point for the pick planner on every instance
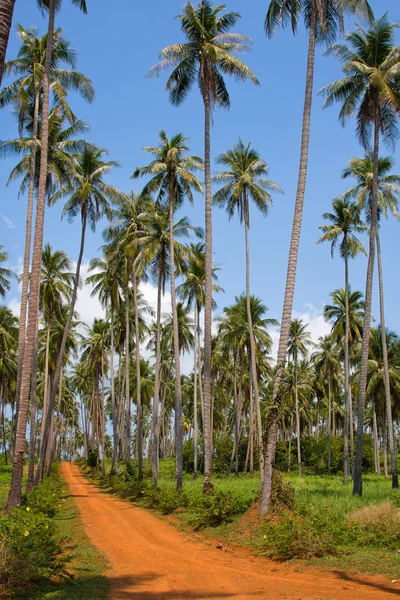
(253, 366)
(114, 465)
(195, 423)
(14, 498)
(346, 370)
(139, 427)
(357, 487)
(127, 382)
(296, 394)
(27, 253)
(6, 15)
(207, 433)
(60, 357)
(270, 446)
(392, 447)
(156, 398)
(178, 384)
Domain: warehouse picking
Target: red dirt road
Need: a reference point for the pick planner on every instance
(150, 560)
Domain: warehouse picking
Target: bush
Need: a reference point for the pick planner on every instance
(282, 494)
(92, 459)
(216, 508)
(167, 501)
(45, 499)
(293, 537)
(377, 524)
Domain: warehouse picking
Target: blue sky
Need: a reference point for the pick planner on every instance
(116, 49)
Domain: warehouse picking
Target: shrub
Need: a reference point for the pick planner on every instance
(45, 499)
(92, 459)
(377, 524)
(282, 494)
(216, 508)
(293, 537)
(166, 500)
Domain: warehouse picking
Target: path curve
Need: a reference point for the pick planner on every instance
(150, 560)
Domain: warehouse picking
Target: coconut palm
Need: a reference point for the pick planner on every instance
(326, 361)
(388, 201)
(89, 198)
(323, 19)
(14, 498)
(244, 179)
(192, 290)
(6, 14)
(344, 223)
(206, 56)
(172, 177)
(5, 274)
(155, 252)
(299, 341)
(370, 92)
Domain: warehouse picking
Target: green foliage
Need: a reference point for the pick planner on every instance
(282, 493)
(46, 498)
(217, 508)
(92, 459)
(166, 500)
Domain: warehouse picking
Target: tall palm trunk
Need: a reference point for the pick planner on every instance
(207, 433)
(127, 382)
(392, 446)
(33, 419)
(14, 498)
(178, 385)
(253, 365)
(270, 446)
(114, 465)
(195, 423)
(60, 357)
(357, 487)
(156, 398)
(6, 14)
(296, 393)
(376, 442)
(346, 368)
(329, 424)
(351, 426)
(27, 251)
(103, 462)
(139, 426)
(46, 381)
(290, 444)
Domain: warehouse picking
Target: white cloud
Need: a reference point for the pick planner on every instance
(88, 307)
(7, 221)
(316, 325)
(15, 306)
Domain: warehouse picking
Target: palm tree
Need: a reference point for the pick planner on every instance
(370, 91)
(90, 198)
(345, 222)
(14, 498)
(154, 251)
(322, 19)
(193, 291)
(5, 274)
(245, 179)
(326, 361)
(172, 177)
(25, 93)
(106, 284)
(299, 339)
(6, 14)
(55, 290)
(206, 56)
(388, 200)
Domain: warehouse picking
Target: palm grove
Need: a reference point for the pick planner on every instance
(114, 388)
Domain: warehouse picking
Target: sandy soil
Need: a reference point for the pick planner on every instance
(150, 560)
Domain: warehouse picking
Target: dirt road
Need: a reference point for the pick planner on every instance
(150, 560)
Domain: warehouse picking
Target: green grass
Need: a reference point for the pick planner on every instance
(87, 567)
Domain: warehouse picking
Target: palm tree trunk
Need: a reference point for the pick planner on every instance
(329, 424)
(46, 381)
(61, 353)
(27, 251)
(199, 369)
(351, 426)
(251, 429)
(290, 445)
(139, 427)
(178, 385)
(33, 419)
(6, 14)
(357, 487)
(253, 365)
(270, 446)
(3, 424)
(154, 435)
(346, 369)
(103, 462)
(376, 443)
(195, 423)
(297, 416)
(114, 466)
(14, 498)
(385, 462)
(127, 382)
(207, 434)
(392, 447)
